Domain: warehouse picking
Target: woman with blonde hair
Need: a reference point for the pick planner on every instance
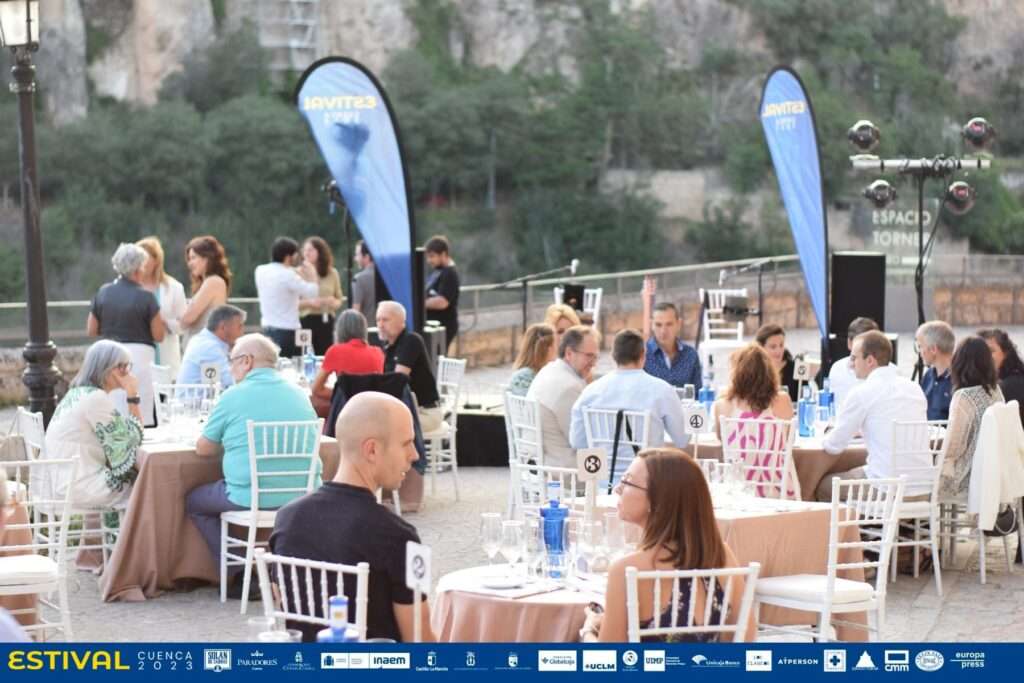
(664, 493)
(537, 350)
(211, 282)
(170, 294)
(561, 317)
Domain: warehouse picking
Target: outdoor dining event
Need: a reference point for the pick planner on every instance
(572, 322)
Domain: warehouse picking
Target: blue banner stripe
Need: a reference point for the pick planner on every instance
(789, 129)
(354, 127)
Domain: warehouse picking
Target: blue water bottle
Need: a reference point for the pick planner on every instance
(309, 364)
(806, 410)
(826, 402)
(706, 395)
(554, 516)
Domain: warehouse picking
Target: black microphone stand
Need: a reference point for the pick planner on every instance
(524, 282)
(334, 200)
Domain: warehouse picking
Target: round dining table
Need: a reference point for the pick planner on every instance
(785, 537)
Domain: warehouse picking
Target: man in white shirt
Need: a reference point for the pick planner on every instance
(556, 388)
(280, 285)
(840, 376)
(630, 388)
(872, 406)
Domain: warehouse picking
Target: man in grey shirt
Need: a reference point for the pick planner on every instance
(364, 295)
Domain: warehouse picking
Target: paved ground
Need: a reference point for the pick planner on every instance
(968, 610)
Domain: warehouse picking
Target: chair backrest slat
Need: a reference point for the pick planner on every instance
(709, 580)
(286, 461)
(599, 426)
(316, 611)
(764, 449)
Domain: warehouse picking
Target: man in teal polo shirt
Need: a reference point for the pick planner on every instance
(262, 395)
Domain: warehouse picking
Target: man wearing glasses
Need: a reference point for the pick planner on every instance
(556, 388)
(630, 388)
(259, 394)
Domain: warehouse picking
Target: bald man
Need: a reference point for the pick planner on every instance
(343, 522)
(259, 394)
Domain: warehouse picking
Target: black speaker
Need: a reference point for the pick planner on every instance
(858, 289)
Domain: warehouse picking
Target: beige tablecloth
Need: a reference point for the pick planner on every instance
(158, 547)
(783, 542)
(812, 462)
(17, 514)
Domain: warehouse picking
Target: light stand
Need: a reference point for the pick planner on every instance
(19, 31)
(959, 196)
(921, 170)
(334, 200)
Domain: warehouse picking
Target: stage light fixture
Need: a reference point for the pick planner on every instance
(881, 193)
(864, 135)
(979, 133)
(960, 198)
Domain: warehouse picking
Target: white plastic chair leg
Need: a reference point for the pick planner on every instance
(455, 467)
(223, 561)
(934, 530)
(250, 551)
(824, 626)
(981, 554)
(917, 546)
(1006, 549)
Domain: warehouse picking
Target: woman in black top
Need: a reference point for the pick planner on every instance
(1009, 366)
(772, 338)
(1010, 369)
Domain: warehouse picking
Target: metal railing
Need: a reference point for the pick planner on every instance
(489, 306)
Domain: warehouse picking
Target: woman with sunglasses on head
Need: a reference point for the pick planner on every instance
(664, 493)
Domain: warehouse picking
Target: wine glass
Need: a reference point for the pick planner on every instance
(570, 540)
(534, 548)
(512, 543)
(490, 534)
(589, 543)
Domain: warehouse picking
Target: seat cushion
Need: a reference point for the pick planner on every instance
(27, 569)
(915, 509)
(811, 588)
(264, 518)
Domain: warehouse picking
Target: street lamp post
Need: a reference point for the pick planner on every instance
(19, 31)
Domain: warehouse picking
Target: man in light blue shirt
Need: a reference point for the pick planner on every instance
(212, 346)
(630, 388)
(262, 395)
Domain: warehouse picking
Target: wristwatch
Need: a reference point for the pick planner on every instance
(134, 400)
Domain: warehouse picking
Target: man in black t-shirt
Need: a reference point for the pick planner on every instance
(442, 287)
(342, 521)
(405, 352)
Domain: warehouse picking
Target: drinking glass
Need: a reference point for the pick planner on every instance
(534, 549)
(689, 393)
(294, 635)
(614, 536)
(571, 535)
(589, 543)
(490, 534)
(257, 625)
(735, 479)
(512, 543)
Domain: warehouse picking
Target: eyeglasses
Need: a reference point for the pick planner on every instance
(239, 357)
(588, 356)
(124, 367)
(626, 482)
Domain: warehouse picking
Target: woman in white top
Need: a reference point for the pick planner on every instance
(211, 283)
(88, 424)
(170, 294)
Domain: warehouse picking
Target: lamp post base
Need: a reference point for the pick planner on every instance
(41, 377)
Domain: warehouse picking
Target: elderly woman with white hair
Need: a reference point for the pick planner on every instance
(88, 424)
(125, 312)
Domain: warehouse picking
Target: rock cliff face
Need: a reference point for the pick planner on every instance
(149, 38)
(135, 44)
